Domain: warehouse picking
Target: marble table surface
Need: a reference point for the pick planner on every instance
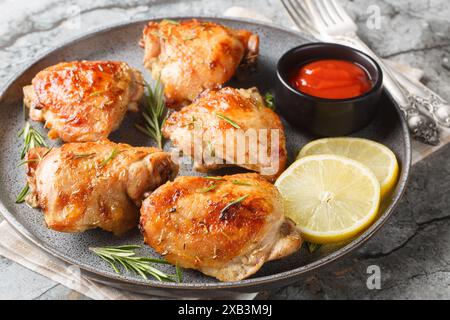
(412, 250)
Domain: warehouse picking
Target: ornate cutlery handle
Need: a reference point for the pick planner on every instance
(426, 99)
(422, 126)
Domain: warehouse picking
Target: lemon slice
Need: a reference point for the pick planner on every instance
(330, 198)
(377, 157)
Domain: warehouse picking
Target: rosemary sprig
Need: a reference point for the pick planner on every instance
(113, 154)
(125, 256)
(223, 212)
(269, 99)
(207, 189)
(312, 247)
(234, 124)
(31, 139)
(23, 193)
(155, 113)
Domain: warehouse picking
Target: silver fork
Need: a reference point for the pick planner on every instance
(327, 20)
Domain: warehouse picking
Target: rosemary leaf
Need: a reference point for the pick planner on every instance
(21, 163)
(211, 187)
(124, 256)
(240, 183)
(113, 154)
(214, 178)
(21, 197)
(179, 274)
(234, 124)
(95, 93)
(232, 203)
(83, 155)
(189, 37)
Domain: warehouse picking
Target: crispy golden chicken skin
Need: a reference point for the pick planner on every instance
(233, 125)
(191, 56)
(197, 223)
(83, 100)
(82, 186)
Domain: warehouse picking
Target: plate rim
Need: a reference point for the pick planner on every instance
(289, 275)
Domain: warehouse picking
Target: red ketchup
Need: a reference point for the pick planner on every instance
(332, 79)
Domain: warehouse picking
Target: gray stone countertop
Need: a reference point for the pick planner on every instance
(412, 250)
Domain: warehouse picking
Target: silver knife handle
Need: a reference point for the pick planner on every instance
(426, 99)
(421, 126)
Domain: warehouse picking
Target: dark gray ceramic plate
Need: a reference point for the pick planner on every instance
(121, 43)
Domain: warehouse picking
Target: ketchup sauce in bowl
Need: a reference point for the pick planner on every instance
(328, 89)
(332, 79)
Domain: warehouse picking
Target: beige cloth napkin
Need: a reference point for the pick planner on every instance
(16, 248)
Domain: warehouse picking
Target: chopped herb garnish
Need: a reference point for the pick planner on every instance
(95, 93)
(191, 124)
(21, 197)
(234, 124)
(215, 178)
(113, 154)
(159, 35)
(189, 37)
(125, 256)
(211, 187)
(268, 97)
(241, 183)
(223, 212)
(84, 155)
(155, 113)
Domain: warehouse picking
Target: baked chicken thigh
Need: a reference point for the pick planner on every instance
(230, 126)
(83, 100)
(226, 228)
(191, 56)
(81, 186)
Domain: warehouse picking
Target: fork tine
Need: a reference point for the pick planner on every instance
(299, 18)
(330, 12)
(323, 11)
(341, 12)
(309, 6)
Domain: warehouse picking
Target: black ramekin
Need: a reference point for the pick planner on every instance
(320, 116)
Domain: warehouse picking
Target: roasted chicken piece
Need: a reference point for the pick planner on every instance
(83, 100)
(230, 127)
(191, 56)
(82, 186)
(226, 228)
